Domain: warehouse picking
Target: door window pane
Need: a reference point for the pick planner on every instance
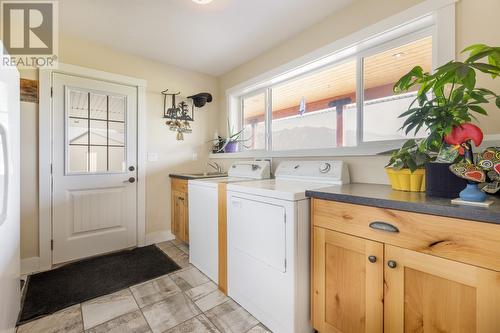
(117, 159)
(316, 110)
(254, 111)
(98, 106)
(116, 134)
(381, 107)
(98, 132)
(95, 142)
(79, 104)
(117, 108)
(78, 131)
(98, 159)
(77, 158)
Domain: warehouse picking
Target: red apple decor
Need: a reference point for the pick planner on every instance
(460, 135)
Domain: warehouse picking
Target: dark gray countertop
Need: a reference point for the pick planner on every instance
(383, 196)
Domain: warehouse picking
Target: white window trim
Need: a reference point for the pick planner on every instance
(434, 17)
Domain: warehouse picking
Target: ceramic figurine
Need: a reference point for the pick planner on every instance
(461, 137)
(489, 161)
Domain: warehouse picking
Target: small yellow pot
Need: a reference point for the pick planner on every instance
(405, 180)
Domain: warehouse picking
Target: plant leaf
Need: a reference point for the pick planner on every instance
(470, 79)
(478, 109)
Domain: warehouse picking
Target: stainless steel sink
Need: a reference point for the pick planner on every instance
(206, 174)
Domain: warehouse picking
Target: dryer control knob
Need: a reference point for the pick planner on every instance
(325, 167)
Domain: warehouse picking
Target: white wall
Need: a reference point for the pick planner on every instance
(174, 156)
(474, 24)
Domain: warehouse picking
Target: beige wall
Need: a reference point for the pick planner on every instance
(475, 24)
(174, 156)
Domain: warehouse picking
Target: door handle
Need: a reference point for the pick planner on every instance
(130, 180)
(384, 226)
(6, 173)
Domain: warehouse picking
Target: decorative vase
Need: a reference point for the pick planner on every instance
(405, 180)
(231, 147)
(471, 192)
(441, 182)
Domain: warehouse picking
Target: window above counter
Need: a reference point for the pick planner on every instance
(339, 100)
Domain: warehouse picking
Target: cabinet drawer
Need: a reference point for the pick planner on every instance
(180, 185)
(470, 242)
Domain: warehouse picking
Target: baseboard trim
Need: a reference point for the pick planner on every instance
(158, 237)
(30, 265)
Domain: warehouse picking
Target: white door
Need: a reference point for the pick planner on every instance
(94, 167)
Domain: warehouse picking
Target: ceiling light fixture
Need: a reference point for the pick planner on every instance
(202, 2)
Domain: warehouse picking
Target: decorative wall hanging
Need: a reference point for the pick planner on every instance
(29, 90)
(180, 112)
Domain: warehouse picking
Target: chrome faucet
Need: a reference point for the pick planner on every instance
(214, 165)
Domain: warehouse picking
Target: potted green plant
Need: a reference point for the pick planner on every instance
(445, 99)
(230, 143)
(406, 167)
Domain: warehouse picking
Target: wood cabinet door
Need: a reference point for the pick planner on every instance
(424, 293)
(183, 217)
(347, 289)
(175, 209)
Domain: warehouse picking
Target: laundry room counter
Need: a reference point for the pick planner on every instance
(383, 196)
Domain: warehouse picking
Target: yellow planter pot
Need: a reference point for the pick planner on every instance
(405, 180)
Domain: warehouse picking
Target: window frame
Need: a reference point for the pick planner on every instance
(241, 116)
(426, 20)
(360, 87)
(359, 59)
(270, 88)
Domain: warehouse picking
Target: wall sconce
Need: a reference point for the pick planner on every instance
(180, 114)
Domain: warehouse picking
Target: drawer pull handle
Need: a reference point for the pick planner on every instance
(384, 227)
(392, 264)
(372, 259)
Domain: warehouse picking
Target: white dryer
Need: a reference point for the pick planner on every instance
(203, 213)
(268, 242)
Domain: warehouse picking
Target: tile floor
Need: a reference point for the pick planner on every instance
(185, 301)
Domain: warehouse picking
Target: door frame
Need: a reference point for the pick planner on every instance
(45, 151)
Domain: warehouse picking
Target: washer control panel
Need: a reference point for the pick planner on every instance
(331, 172)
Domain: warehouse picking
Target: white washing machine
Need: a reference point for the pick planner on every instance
(204, 215)
(268, 242)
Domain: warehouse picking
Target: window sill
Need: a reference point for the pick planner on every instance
(366, 149)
